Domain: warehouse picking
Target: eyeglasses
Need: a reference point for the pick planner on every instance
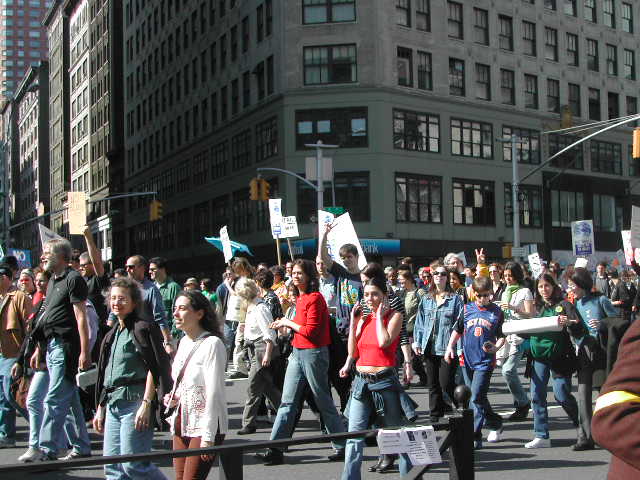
(130, 267)
(441, 274)
(84, 265)
(483, 295)
(120, 300)
(153, 269)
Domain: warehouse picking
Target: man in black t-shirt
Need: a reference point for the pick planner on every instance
(92, 270)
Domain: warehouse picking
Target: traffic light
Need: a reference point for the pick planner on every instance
(155, 210)
(264, 190)
(254, 194)
(636, 143)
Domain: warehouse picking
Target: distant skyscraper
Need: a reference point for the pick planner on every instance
(23, 40)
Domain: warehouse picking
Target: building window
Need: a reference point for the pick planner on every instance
(473, 202)
(593, 61)
(481, 26)
(330, 64)
(507, 87)
(612, 60)
(505, 38)
(423, 15)
(550, 4)
(328, 11)
(606, 157)
(530, 203)
(456, 77)
(551, 44)
(613, 104)
(529, 38)
(471, 139)
(574, 99)
(483, 82)
(634, 164)
(627, 17)
(404, 62)
(530, 91)
(219, 213)
(346, 127)
(241, 150)
(403, 12)
(455, 22)
(609, 13)
(352, 193)
(632, 105)
(527, 144)
(416, 131)
(571, 7)
(267, 139)
(242, 218)
(553, 95)
(573, 158)
(572, 50)
(220, 159)
(246, 89)
(594, 104)
(607, 213)
(629, 64)
(418, 198)
(590, 10)
(260, 23)
(425, 77)
(566, 207)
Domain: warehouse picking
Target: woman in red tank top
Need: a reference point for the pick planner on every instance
(373, 341)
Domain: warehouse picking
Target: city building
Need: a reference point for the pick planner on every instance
(8, 163)
(422, 98)
(23, 40)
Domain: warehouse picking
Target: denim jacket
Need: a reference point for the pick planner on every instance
(444, 316)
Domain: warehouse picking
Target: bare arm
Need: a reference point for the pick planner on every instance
(94, 253)
(323, 253)
(387, 334)
(80, 311)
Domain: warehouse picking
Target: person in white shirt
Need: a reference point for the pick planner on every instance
(200, 418)
(260, 341)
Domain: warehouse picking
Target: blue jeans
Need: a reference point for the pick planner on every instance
(61, 398)
(229, 331)
(510, 374)
(478, 381)
(121, 438)
(561, 391)
(307, 366)
(8, 406)
(37, 392)
(361, 407)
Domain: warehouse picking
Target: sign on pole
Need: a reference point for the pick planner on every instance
(341, 234)
(289, 227)
(77, 212)
(275, 216)
(226, 244)
(582, 238)
(519, 251)
(635, 226)
(535, 264)
(46, 234)
(311, 168)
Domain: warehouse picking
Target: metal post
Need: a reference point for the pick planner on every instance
(231, 465)
(319, 175)
(514, 192)
(461, 463)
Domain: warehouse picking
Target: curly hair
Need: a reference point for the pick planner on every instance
(133, 288)
(198, 302)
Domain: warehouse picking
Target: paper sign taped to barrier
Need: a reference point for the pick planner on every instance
(419, 443)
(390, 442)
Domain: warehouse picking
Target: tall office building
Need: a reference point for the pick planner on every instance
(23, 40)
(417, 94)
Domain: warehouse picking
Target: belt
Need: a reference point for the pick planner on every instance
(374, 377)
(615, 397)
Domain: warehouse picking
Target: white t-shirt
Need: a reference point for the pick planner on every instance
(517, 303)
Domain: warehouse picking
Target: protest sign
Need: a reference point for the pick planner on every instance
(46, 234)
(289, 227)
(275, 216)
(23, 257)
(342, 233)
(535, 264)
(629, 252)
(419, 443)
(226, 244)
(635, 226)
(582, 238)
(77, 206)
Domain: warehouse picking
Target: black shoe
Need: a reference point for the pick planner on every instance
(336, 456)
(583, 445)
(247, 430)
(237, 375)
(375, 466)
(271, 457)
(520, 414)
(435, 418)
(387, 463)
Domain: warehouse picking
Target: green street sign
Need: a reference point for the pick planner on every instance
(335, 210)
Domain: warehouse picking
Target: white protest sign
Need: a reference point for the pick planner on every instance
(581, 262)
(462, 257)
(535, 264)
(226, 244)
(46, 234)
(323, 219)
(77, 206)
(289, 227)
(275, 216)
(629, 252)
(582, 238)
(390, 442)
(343, 233)
(620, 258)
(635, 226)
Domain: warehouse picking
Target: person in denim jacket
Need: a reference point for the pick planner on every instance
(439, 311)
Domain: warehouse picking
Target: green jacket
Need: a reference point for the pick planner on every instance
(169, 291)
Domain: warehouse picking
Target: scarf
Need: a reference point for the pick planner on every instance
(508, 292)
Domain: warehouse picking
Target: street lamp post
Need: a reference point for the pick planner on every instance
(515, 189)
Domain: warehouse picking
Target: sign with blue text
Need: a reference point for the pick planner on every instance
(582, 238)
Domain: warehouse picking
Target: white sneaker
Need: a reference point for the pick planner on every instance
(31, 455)
(538, 443)
(495, 435)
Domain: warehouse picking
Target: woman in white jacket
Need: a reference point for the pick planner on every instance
(200, 418)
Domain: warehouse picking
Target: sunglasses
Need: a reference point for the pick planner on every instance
(483, 295)
(440, 274)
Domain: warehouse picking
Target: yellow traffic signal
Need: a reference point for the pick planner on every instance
(155, 210)
(253, 189)
(264, 190)
(636, 143)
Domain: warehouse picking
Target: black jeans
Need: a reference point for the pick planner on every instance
(440, 378)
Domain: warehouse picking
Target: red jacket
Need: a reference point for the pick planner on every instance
(312, 315)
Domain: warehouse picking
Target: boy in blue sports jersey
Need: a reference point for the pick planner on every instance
(481, 332)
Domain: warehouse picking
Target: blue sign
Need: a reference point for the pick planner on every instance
(370, 246)
(23, 256)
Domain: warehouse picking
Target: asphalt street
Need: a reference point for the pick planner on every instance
(507, 459)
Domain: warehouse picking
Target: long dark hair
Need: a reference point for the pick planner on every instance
(556, 295)
(582, 278)
(309, 269)
(198, 301)
(516, 272)
(378, 282)
(432, 286)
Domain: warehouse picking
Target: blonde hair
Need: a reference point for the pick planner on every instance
(246, 289)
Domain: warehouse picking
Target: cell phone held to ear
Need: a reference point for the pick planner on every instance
(357, 310)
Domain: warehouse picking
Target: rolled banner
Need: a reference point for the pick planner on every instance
(532, 325)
